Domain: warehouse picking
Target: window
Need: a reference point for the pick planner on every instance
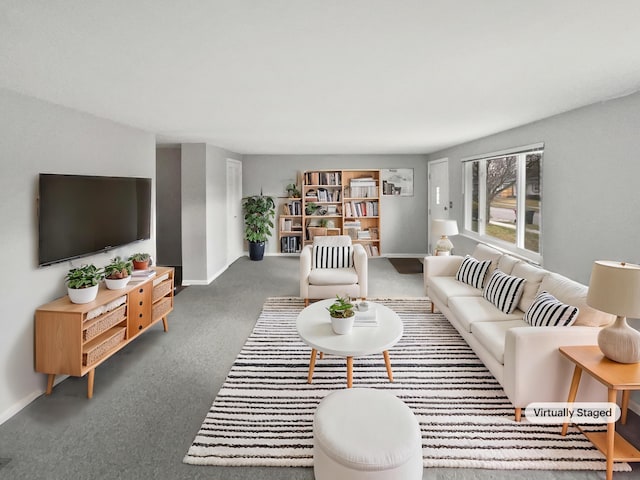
(503, 199)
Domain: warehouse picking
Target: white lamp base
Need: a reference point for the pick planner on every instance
(444, 246)
(619, 342)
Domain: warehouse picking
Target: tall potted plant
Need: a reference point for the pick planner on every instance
(259, 211)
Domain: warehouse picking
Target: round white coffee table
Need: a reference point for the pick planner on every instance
(314, 327)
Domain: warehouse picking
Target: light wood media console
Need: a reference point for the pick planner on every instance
(73, 339)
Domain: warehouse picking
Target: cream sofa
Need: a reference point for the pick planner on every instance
(523, 358)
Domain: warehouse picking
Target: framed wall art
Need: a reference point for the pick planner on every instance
(397, 181)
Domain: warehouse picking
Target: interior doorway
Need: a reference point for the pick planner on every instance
(438, 188)
(235, 223)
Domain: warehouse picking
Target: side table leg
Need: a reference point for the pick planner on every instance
(611, 435)
(387, 363)
(50, 379)
(573, 391)
(349, 372)
(90, 378)
(312, 365)
(624, 406)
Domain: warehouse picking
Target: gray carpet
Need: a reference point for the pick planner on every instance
(150, 399)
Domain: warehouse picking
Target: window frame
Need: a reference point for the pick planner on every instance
(520, 153)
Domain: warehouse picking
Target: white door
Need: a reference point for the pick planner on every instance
(438, 186)
(235, 222)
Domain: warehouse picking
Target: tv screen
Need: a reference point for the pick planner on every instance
(80, 215)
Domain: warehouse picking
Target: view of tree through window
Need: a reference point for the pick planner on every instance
(503, 199)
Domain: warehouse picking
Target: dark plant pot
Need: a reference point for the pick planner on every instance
(256, 250)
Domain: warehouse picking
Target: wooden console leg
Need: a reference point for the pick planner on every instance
(387, 363)
(90, 378)
(50, 379)
(312, 364)
(518, 414)
(165, 324)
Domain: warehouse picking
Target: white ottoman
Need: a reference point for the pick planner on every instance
(362, 433)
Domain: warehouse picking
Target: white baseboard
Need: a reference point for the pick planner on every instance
(187, 282)
(23, 402)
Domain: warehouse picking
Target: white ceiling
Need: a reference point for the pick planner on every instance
(325, 76)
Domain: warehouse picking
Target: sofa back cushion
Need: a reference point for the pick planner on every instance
(506, 264)
(547, 311)
(472, 271)
(484, 252)
(327, 256)
(533, 276)
(574, 293)
(503, 291)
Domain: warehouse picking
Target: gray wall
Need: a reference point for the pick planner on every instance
(168, 206)
(204, 212)
(590, 172)
(404, 219)
(41, 137)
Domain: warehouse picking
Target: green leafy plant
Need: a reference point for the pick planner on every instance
(118, 268)
(259, 211)
(139, 257)
(341, 308)
(293, 191)
(84, 277)
(311, 208)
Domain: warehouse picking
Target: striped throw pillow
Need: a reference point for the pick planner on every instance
(327, 256)
(547, 311)
(504, 291)
(472, 271)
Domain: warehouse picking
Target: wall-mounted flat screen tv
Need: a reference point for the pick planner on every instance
(79, 215)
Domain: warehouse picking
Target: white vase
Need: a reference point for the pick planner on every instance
(117, 283)
(619, 342)
(342, 326)
(83, 295)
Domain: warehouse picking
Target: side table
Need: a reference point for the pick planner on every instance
(616, 377)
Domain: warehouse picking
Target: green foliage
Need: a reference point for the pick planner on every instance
(84, 277)
(118, 268)
(341, 308)
(140, 257)
(293, 191)
(259, 211)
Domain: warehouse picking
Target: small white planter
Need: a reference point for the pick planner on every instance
(83, 295)
(342, 326)
(117, 283)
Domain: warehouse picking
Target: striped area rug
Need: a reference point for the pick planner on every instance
(263, 413)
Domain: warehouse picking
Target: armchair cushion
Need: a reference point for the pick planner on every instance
(333, 276)
(331, 256)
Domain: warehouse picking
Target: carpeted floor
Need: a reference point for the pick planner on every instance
(406, 266)
(263, 413)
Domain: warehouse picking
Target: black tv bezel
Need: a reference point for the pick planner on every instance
(102, 250)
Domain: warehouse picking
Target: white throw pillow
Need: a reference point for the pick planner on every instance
(472, 272)
(547, 311)
(504, 291)
(325, 256)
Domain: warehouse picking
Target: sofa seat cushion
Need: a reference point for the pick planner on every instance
(470, 310)
(445, 288)
(333, 276)
(492, 335)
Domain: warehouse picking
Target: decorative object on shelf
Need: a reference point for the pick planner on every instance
(615, 288)
(82, 283)
(443, 228)
(293, 191)
(342, 315)
(259, 211)
(397, 181)
(118, 273)
(140, 261)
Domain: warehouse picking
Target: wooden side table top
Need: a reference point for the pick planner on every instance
(617, 376)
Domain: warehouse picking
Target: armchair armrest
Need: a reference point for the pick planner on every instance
(305, 269)
(440, 266)
(361, 264)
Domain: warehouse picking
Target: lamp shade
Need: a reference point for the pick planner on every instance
(443, 226)
(615, 288)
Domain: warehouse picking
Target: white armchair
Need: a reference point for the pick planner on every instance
(333, 266)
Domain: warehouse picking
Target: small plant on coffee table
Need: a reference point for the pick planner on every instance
(341, 308)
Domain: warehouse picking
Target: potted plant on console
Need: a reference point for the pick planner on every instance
(342, 315)
(118, 273)
(82, 283)
(140, 261)
(259, 211)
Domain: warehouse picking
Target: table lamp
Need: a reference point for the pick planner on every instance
(615, 288)
(443, 228)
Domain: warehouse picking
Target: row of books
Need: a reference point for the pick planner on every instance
(290, 244)
(361, 209)
(323, 195)
(371, 249)
(364, 187)
(290, 225)
(293, 207)
(323, 178)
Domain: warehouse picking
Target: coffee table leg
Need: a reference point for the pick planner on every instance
(312, 365)
(387, 362)
(349, 372)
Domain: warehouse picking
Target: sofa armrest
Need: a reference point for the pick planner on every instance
(440, 266)
(534, 369)
(361, 264)
(305, 269)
